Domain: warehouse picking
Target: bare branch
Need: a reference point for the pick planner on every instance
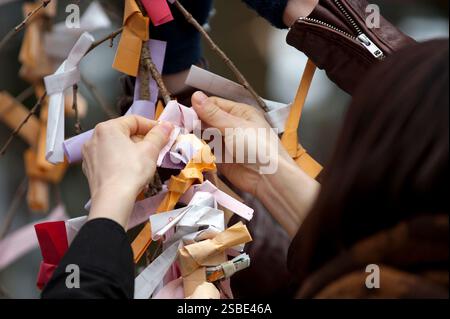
(12, 210)
(22, 24)
(25, 94)
(93, 90)
(75, 108)
(17, 130)
(151, 67)
(240, 77)
(110, 37)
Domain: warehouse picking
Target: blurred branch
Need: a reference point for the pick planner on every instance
(240, 77)
(75, 108)
(93, 90)
(17, 130)
(13, 208)
(33, 111)
(25, 94)
(22, 24)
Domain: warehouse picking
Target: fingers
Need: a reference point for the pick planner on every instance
(156, 139)
(221, 113)
(130, 125)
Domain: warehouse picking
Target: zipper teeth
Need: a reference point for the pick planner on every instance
(328, 26)
(347, 15)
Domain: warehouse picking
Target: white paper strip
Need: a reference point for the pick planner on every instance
(148, 280)
(66, 76)
(227, 89)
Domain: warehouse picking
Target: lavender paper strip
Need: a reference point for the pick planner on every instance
(73, 146)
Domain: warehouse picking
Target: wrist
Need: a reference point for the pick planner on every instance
(298, 8)
(113, 202)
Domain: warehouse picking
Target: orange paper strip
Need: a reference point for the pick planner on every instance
(53, 175)
(290, 136)
(38, 195)
(135, 31)
(191, 174)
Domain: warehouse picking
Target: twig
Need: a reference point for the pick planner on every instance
(25, 94)
(110, 37)
(98, 97)
(75, 108)
(240, 77)
(17, 130)
(22, 24)
(12, 210)
(151, 67)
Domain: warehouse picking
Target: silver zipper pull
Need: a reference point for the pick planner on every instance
(369, 45)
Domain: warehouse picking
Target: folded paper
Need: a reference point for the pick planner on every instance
(222, 87)
(158, 11)
(73, 146)
(65, 77)
(135, 31)
(23, 240)
(52, 237)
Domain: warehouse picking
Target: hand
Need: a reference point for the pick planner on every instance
(288, 193)
(119, 161)
(238, 122)
(282, 13)
(296, 9)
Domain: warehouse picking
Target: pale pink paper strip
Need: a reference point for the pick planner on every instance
(222, 199)
(23, 240)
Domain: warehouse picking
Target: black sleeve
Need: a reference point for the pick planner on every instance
(103, 254)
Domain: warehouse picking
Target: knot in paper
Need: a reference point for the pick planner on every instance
(66, 76)
(135, 31)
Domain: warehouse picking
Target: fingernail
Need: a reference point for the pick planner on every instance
(200, 97)
(167, 127)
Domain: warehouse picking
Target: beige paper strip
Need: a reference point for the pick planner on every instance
(38, 195)
(12, 113)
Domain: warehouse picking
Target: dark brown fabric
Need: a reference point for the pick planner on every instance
(412, 258)
(344, 59)
(390, 166)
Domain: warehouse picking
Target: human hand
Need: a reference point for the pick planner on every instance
(282, 13)
(119, 161)
(247, 136)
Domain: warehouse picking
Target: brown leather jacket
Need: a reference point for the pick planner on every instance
(336, 37)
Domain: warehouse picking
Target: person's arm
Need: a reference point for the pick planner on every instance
(119, 161)
(287, 192)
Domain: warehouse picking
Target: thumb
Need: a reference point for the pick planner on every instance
(209, 111)
(156, 139)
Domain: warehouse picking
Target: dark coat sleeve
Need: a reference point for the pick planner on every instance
(103, 254)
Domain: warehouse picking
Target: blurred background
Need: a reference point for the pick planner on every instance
(259, 50)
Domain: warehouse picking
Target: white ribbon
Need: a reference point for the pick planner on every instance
(66, 76)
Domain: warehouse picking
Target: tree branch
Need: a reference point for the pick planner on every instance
(110, 37)
(12, 210)
(17, 130)
(98, 97)
(240, 77)
(75, 108)
(151, 67)
(22, 24)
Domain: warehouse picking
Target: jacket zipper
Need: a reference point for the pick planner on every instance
(360, 37)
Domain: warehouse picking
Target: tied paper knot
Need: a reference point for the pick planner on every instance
(52, 237)
(135, 31)
(65, 77)
(191, 174)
